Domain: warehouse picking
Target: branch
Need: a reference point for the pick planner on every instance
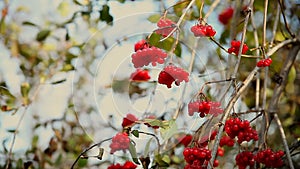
(179, 21)
(276, 95)
(227, 111)
(88, 149)
(284, 19)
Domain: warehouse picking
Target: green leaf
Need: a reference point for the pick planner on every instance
(5, 92)
(154, 18)
(159, 159)
(167, 44)
(42, 35)
(25, 88)
(135, 133)
(58, 82)
(147, 147)
(168, 131)
(35, 140)
(29, 23)
(68, 67)
(105, 15)
(153, 122)
(133, 153)
(121, 1)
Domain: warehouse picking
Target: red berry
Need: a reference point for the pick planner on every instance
(140, 45)
(146, 56)
(140, 75)
(185, 140)
(203, 108)
(196, 157)
(264, 62)
(126, 165)
(165, 26)
(119, 142)
(172, 74)
(200, 30)
(244, 159)
(270, 158)
(226, 15)
(129, 120)
(235, 47)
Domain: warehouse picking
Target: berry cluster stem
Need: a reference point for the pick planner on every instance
(180, 20)
(88, 149)
(228, 110)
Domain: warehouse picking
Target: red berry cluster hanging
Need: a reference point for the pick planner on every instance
(172, 74)
(264, 62)
(226, 141)
(148, 55)
(126, 165)
(196, 157)
(129, 120)
(226, 15)
(235, 127)
(244, 159)
(204, 107)
(269, 158)
(235, 47)
(140, 75)
(165, 26)
(119, 142)
(140, 45)
(200, 30)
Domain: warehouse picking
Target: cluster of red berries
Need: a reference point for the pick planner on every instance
(140, 75)
(235, 127)
(129, 120)
(126, 165)
(140, 45)
(165, 26)
(172, 74)
(119, 142)
(244, 159)
(226, 140)
(270, 158)
(264, 62)
(197, 158)
(235, 47)
(149, 55)
(204, 107)
(226, 15)
(200, 30)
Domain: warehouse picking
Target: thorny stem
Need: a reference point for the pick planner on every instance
(227, 111)
(88, 149)
(180, 20)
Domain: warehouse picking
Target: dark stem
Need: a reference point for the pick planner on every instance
(88, 149)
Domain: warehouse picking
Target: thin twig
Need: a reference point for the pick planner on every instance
(227, 111)
(156, 138)
(211, 9)
(180, 20)
(180, 101)
(236, 68)
(284, 19)
(294, 52)
(275, 26)
(88, 149)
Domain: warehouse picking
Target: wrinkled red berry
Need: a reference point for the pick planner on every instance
(172, 74)
(165, 26)
(119, 142)
(129, 120)
(140, 45)
(200, 30)
(140, 75)
(149, 55)
(204, 107)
